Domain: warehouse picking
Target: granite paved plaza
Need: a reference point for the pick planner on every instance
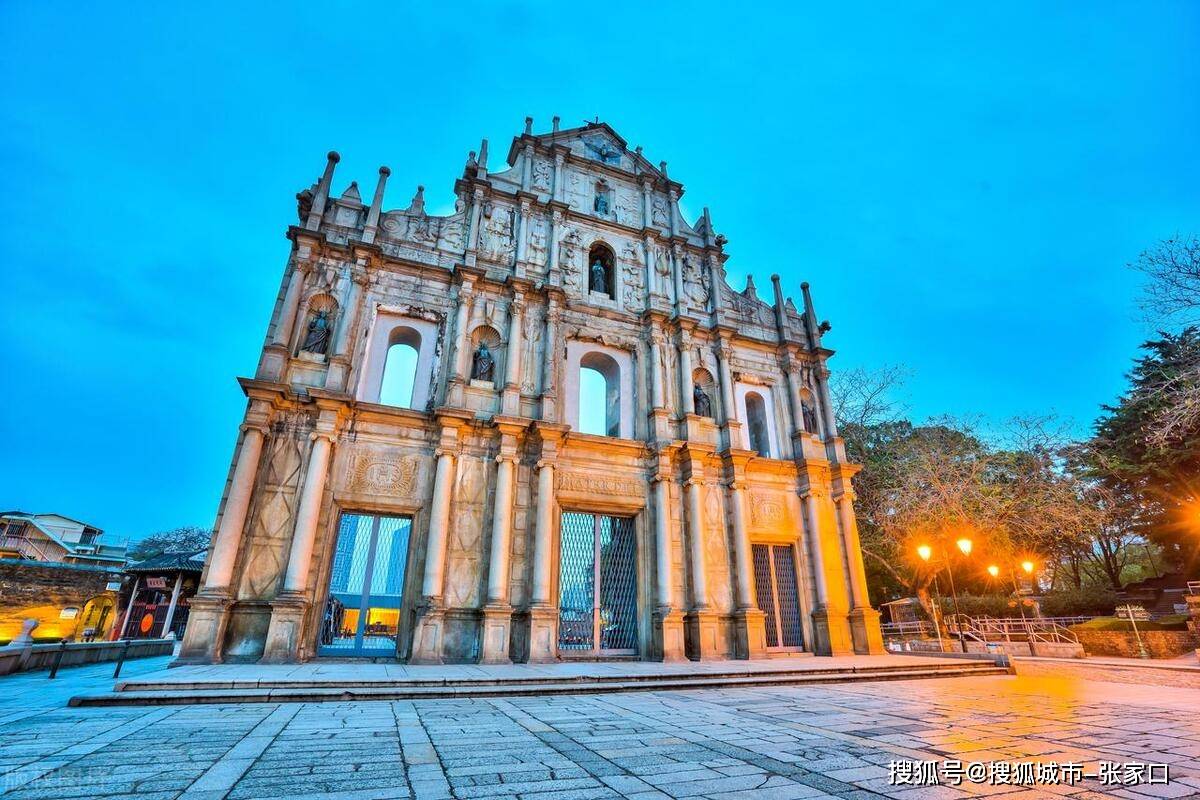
(826, 741)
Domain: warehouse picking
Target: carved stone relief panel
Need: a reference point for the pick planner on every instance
(383, 471)
(716, 551)
(600, 485)
(769, 511)
(543, 174)
(274, 515)
(496, 240)
(464, 558)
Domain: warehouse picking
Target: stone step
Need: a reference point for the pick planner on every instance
(529, 679)
(398, 690)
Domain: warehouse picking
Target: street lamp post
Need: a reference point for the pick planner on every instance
(926, 552)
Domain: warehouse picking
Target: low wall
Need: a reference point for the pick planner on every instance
(1159, 644)
(41, 656)
(1042, 649)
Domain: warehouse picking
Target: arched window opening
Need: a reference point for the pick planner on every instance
(601, 270)
(599, 395)
(400, 368)
(756, 417)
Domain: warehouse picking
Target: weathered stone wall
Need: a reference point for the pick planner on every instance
(1159, 644)
(40, 590)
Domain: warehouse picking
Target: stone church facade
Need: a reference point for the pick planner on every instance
(705, 511)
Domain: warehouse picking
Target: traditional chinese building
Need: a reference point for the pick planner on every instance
(541, 427)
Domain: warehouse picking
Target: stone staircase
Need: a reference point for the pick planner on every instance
(512, 684)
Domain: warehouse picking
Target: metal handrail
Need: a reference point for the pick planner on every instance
(992, 630)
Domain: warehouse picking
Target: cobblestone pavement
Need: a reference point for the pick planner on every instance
(751, 744)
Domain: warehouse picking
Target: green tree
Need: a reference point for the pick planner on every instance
(1147, 446)
(189, 538)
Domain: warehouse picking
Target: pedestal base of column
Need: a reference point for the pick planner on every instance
(428, 633)
(271, 365)
(865, 632)
(454, 395)
(660, 423)
(510, 401)
(543, 634)
(809, 447)
(283, 634)
(733, 435)
(831, 629)
(699, 430)
(750, 633)
(702, 636)
(339, 370)
(669, 643)
(495, 634)
(207, 619)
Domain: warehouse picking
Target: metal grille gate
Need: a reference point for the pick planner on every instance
(778, 595)
(597, 585)
(366, 582)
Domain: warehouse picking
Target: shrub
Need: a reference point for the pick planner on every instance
(1177, 622)
(986, 605)
(1100, 600)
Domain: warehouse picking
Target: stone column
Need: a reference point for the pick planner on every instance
(510, 402)
(793, 390)
(687, 402)
(473, 227)
(728, 406)
(651, 273)
(290, 605)
(339, 362)
(462, 314)
(703, 638)
(558, 175)
(552, 253)
(831, 629)
(550, 359)
(822, 379)
(287, 312)
(522, 231)
(656, 385)
(864, 620)
(543, 611)
(749, 620)
(543, 534)
(677, 272)
(496, 636)
(233, 519)
(699, 567)
(166, 628)
(205, 634)
(430, 627)
(668, 621)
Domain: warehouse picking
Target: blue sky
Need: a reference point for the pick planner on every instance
(962, 186)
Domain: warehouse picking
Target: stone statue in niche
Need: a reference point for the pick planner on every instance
(483, 365)
(598, 278)
(600, 204)
(809, 413)
(703, 404)
(317, 338)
